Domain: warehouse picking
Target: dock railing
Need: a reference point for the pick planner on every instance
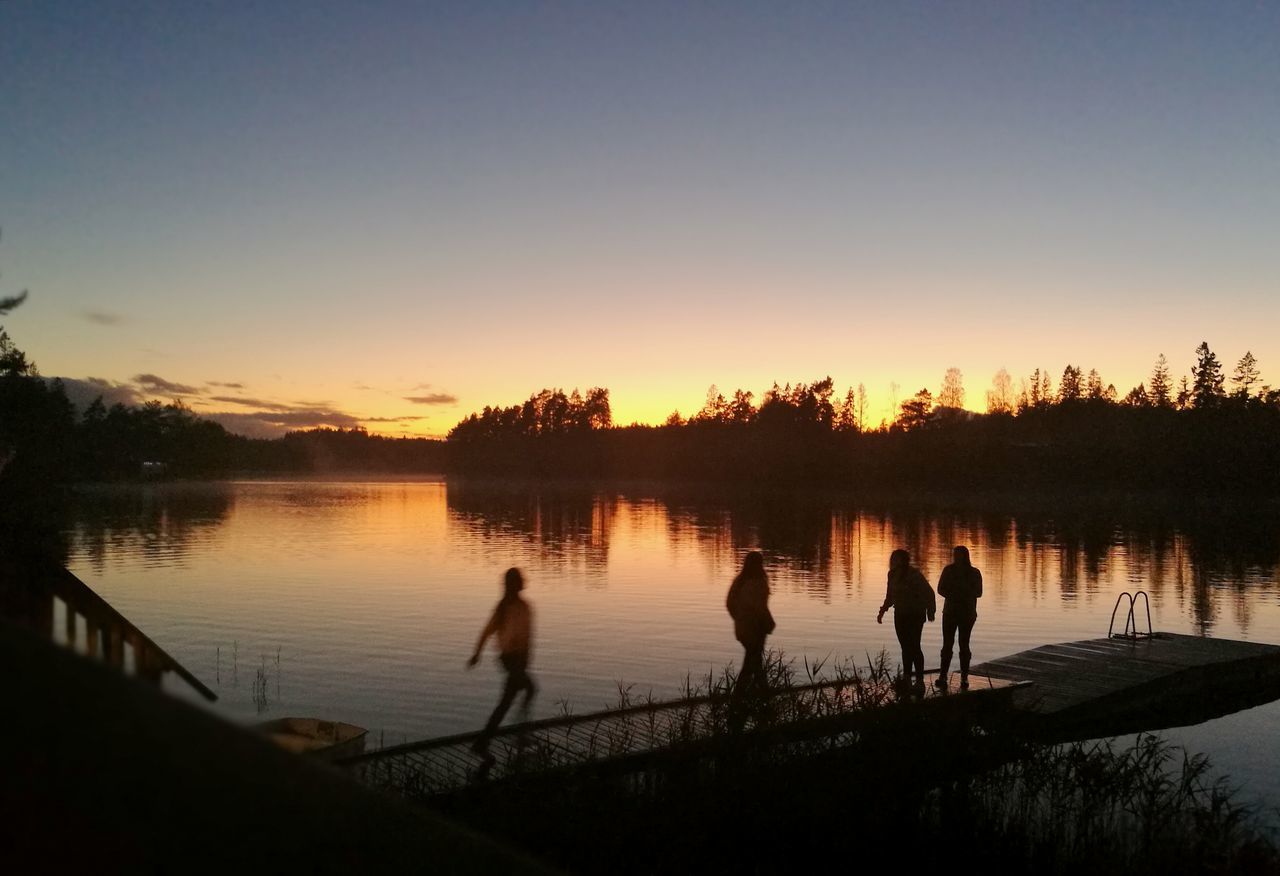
(35, 593)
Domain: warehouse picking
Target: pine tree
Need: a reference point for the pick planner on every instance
(1184, 394)
(1207, 373)
(1137, 397)
(1093, 387)
(915, 410)
(1069, 389)
(847, 421)
(1246, 375)
(1161, 386)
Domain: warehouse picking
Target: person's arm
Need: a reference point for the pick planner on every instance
(977, 576)
(489, 629)
(933, 600)
(944, 583)
(888, 599)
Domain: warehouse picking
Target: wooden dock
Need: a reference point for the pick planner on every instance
(1128, 684)
(642, 742)
(1054, 693)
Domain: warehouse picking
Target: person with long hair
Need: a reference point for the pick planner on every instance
(748, 604)
(961, 586)
(909, 595)
(512, 624)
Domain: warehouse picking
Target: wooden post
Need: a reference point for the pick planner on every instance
(70, 624)
(91, 637)
(115, 646)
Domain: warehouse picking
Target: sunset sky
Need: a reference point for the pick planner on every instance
(392, 214)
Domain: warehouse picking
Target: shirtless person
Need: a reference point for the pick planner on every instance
(512, 624)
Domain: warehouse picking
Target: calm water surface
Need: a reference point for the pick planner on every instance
(362, 601)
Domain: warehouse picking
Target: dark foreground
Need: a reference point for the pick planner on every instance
(103, 773)
(106, 773)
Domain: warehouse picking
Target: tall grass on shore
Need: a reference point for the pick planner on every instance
(708, 711)
(1095, 807)
(919, 791)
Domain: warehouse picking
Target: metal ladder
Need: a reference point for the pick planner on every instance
(1131, 630)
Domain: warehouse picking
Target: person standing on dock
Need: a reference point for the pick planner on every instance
(748, 604)
(909, 595)
(961, 586)
(512, 624)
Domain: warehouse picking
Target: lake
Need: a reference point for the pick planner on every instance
(361, 600)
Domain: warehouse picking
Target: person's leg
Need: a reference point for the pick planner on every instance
(902, 627)
(752, 674)
(523, 681)
(917, 654)
(512, 686)
(948, 644)
(966, 630)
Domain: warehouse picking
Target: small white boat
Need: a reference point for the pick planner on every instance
(324, 740)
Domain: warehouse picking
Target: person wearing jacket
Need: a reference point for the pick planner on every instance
(912, 601)
(961, 586)
(748, 604)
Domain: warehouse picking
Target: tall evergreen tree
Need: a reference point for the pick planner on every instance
(847, 415)
(1069, 389)
(1246, 375)
(1184, 394)
(1161, 385)
(1207, 374)
(1093, 386)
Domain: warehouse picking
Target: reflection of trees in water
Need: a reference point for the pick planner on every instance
(154, 521)
(564, 527)
(1206, 561)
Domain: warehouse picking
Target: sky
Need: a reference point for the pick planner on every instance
(392, 214)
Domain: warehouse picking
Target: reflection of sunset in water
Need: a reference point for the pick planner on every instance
(374, 592)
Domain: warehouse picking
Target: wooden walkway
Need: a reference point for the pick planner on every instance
(637, 741)
(1074, 690)
(1112, 686)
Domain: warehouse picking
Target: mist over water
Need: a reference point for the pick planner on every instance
(360, 601)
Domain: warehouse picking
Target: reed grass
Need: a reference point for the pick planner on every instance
(922, 795)
(1150, 807)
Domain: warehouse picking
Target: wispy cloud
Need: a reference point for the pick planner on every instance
(160, 386)
(435, 398)
(273, 424)
(250, 402)
(102, 317)
(81, 393)
(390, 419)
(224, 385)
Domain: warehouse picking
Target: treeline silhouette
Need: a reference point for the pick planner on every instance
(45, 444)
(1194, 434)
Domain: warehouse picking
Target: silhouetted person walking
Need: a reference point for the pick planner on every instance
(748, 604)
(912, 601)
(512, 624)
(961, 586)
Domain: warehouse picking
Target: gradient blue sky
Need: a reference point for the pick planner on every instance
(342, 206)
